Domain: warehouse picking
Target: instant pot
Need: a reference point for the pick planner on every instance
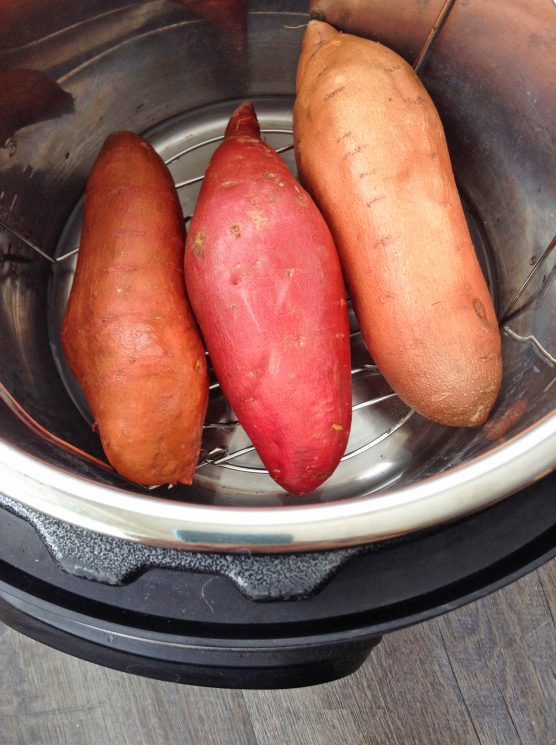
(233, 582)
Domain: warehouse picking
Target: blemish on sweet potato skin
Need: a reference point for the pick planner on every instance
(386, 240)
(334, 92)
(198, 243)
(259, 218)
(353, 151)
(344, 136)
(480, 311)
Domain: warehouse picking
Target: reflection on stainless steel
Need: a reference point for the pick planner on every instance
(26, 98)
(400, 473)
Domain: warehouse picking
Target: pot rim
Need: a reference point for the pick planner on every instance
(157, 521)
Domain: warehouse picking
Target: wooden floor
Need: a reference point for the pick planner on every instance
(483, 674)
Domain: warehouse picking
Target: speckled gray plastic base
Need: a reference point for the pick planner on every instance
(116, 561)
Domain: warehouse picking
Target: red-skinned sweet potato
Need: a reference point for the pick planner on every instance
(371, 149)
(128, 332)
(265, 283)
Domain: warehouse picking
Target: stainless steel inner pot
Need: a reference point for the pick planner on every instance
(72, 72)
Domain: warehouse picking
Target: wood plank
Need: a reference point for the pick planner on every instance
(502, 650)
(310, 716)
(387, 701)
(413, 676)
(547, 579)
(48, 698)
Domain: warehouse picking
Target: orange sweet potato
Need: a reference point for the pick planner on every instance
(265, 284)
(128, 332)
(371, 149)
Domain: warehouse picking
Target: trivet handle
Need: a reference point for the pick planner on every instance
(117, 561)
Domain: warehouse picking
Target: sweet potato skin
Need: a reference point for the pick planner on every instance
(265, 284)
(371, 149)
(128, 332)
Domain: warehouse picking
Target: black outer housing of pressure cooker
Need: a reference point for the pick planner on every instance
(208, 627)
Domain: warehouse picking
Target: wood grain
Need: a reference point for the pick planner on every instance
(547, 580)
(483, 674)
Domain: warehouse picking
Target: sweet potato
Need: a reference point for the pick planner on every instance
(371, 149)
(265, 283)
(128, 332)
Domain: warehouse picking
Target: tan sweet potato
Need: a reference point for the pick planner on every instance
(371, 149)
(128, 332)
